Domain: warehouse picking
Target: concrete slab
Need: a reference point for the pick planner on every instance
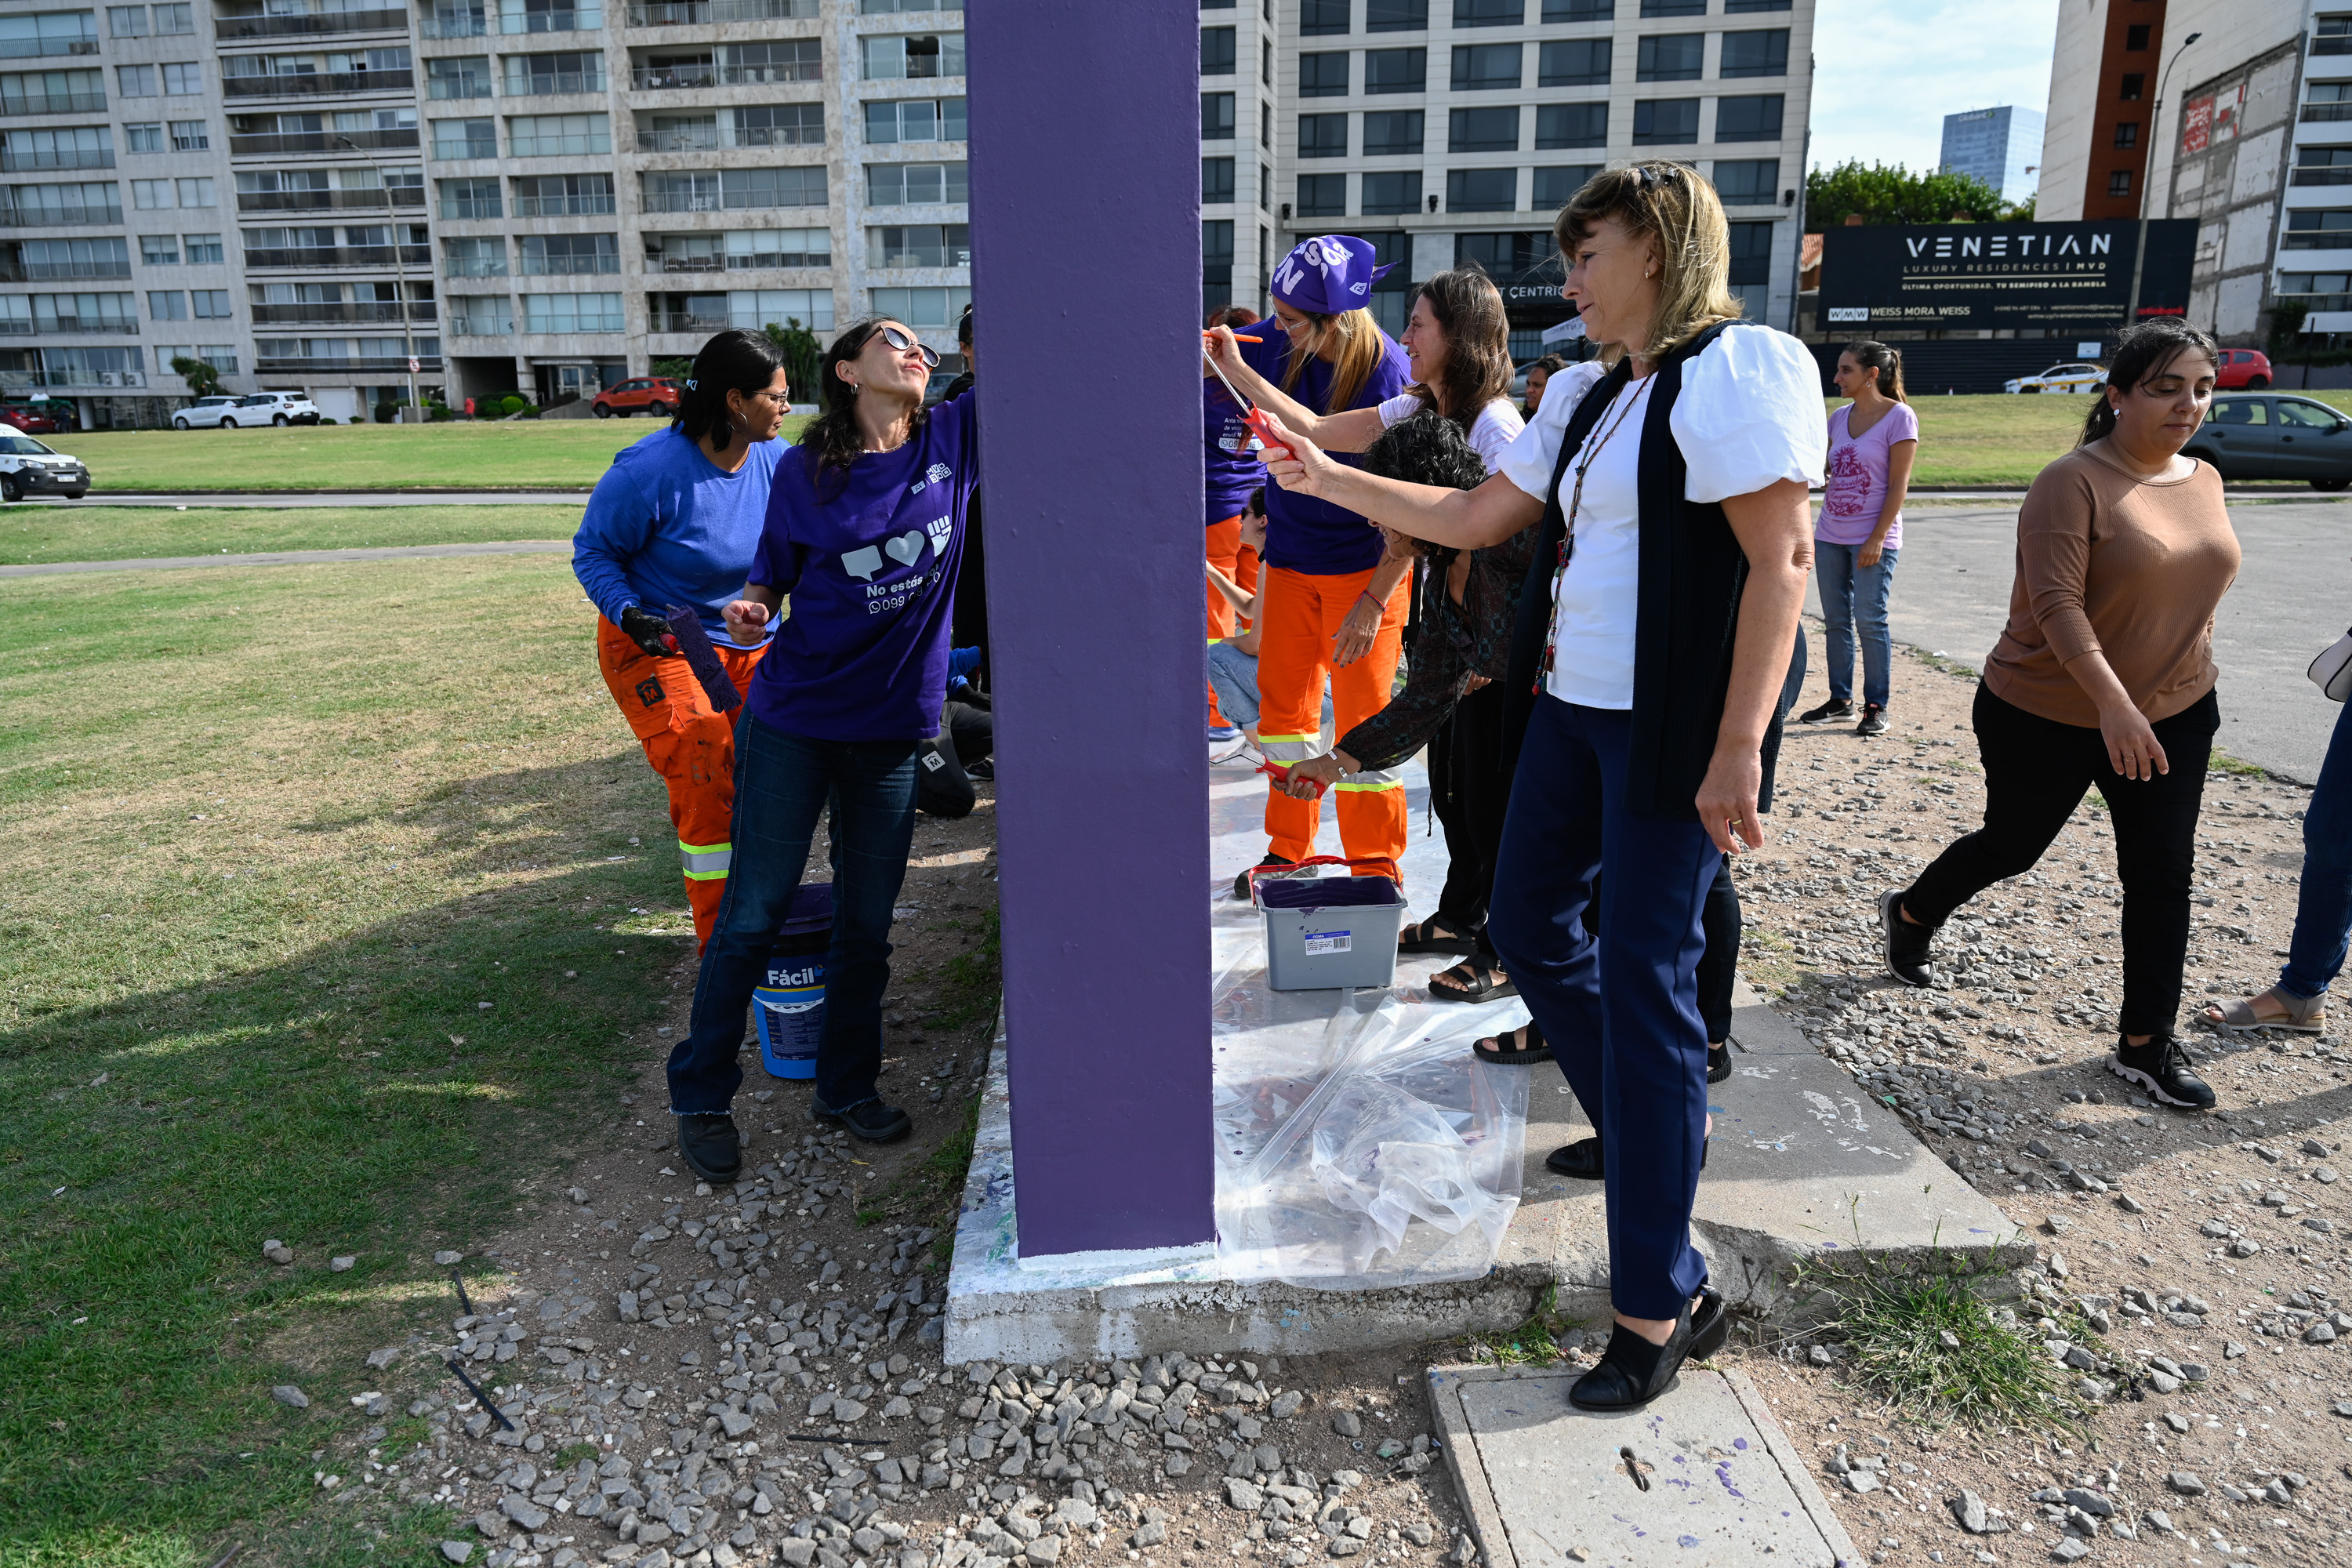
(1546, 1484)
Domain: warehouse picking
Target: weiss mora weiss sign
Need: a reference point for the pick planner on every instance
(1976, 276)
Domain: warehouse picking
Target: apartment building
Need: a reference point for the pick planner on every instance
(2001, 146)
(1451, 130)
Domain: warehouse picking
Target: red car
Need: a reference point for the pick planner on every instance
(656, 394)
(2249, 368)
(31, 418)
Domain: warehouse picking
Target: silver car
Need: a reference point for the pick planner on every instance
(208, 413)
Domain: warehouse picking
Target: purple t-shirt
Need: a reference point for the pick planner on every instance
(1303, 533)
(1231, 471)
(869, 558)
(1857, 479)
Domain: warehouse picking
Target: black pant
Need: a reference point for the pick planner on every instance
(966, 733)
(2036, 771)
(1469, 792)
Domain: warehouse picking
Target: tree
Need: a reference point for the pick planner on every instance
(1884, 192)
(801, 352)
(203, 380)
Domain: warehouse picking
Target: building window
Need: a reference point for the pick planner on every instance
(2134, 84)
(455, 139)
(471, 198)
(1665, 121)
(1751, 252)
(1396, 191)
(1216, 264)
(1733, 7)
(190, 136)
(1482, 191)
(1579, 10)
(1755, 54)
(1266, 123)
(1674, 8)
(919, 244)
(1264, 188)
(150, 195)
(1671, 57)
(209, 304)
(1322, 135)
(479, 257)
(1561, 125)
(186, 80)
(1504, 255)
(568, 255)
(165, 304)
(903, 59)
(1573, 62)
(1395, 15)
(1323, 75)
(147, 138)
(1217, 51)
(1755, 118)
(894, 119)
(572, 313)
(1493, 129)
(126, 21)
(1746, 182)
(1392, 133)
(1216, 179)
(2136, 36)
(1555, 185)
(2119, 182)
(915, 184)
(136, 81)
(160, 249)
(1216, 117)
(2319, 228)
(197, 192)
(924, 309)
(1489, 12)
(1317, 17)
(202, 249)
(1485, 68)
(1396, 70)
(1265, 61)
(2127, 133)
(1322, 195)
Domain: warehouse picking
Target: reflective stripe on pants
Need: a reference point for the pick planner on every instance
(706, 860)
(1297, 615)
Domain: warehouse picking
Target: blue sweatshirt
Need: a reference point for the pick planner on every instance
(666, 526)
(1302, 534)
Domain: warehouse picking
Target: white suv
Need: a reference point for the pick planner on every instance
(276, 409)
(30, 467)
(207, 413)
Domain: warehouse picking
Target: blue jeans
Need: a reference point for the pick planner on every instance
(2323, 912)
(1621, 1012)
(782, 783)
(1851, 592)
(1234, 675)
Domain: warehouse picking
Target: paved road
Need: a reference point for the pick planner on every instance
(2293, 598)
(293, 557)
(290, 499)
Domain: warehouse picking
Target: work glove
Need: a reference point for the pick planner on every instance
(649, 632)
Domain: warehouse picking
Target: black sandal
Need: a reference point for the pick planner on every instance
(1719, 1062)
(1487, 982)
(1522, 1046)
(1418, 938)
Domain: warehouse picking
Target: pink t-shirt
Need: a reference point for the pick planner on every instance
(1857, 482)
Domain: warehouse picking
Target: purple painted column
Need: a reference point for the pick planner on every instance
(1086, 226)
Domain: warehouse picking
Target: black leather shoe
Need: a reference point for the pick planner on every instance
(1710, 1324)
(1579, 1160)
(710, 1147)
(1906, 945)
(1632, 1372)
(869, 1118)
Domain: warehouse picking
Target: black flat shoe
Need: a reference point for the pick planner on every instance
(1523, 1046)
(710, 1147)
(1710, 1324)
(870, 1119)
(1632, 1372)
(1579, 1160)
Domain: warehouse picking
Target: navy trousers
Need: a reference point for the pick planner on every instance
(1620, 1010)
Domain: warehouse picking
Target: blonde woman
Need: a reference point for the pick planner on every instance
(1657, 622)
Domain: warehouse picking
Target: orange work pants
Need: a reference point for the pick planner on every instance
(1238, 561)
(692, 746)
(1297, 617)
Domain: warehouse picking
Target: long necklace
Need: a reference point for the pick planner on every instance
(1633, 394)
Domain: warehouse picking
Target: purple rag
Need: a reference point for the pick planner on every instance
(1329, 273)
(694, 645)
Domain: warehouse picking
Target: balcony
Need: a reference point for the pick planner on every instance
(60, 158)
(2332, 44)
(66, 212)
(315, 23)
(453, 25)
(666, 79)
(55, 103)
(393, 362)
(568, 265)
(323, 201)
(19, 326)
(2316, 239)
(690, 322)
(459, 151)
(82, 378)
(334, 256)
(279, 143)
(63, 271)
(590, 205)
(2315, 303)
(367, 313)
(468, 207)
(698, 13)
(2317, 111)
(49, 48)
(712, 139)
(442, 88)
(2340, 176)
(556, 146)
(585, 19)
(473, 267)
(472, 327)
(318, 84)
(555, 82)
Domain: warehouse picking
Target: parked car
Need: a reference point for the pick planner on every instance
(207, 413)
(936, 389)
(30, 467)
(276, 408)
(2248, 368)
(657, 395)
(2268, 436)
(2075, 377)
(42, 418)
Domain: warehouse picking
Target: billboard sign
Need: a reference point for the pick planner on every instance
(1970, 276)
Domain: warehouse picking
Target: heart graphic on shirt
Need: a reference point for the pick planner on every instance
(905, 547)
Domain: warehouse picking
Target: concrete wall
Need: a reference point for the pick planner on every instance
(2066, 124)
(2231, 184)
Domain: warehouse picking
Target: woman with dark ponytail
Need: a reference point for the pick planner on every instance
(1873, 441)
(2105, 678)
(866, 530)
(672, 526)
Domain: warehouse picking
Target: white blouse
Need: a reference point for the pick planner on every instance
(1751, 414)
(1491, 433)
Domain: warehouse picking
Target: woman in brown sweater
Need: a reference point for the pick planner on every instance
(2104, 677)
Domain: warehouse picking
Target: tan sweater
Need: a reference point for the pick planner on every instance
(2112, 563)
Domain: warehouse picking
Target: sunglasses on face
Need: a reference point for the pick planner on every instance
(904, 343)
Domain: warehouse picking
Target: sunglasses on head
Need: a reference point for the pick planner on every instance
(1649, 178)
(903, 341)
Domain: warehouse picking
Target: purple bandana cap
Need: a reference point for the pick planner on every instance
(1328, 275)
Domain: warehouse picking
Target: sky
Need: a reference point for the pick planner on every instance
(1887, 71)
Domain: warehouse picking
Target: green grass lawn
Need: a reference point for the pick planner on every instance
(36, 532)
(2005, 440)
(325, 917)
(522, 454)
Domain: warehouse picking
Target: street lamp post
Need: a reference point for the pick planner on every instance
(400, 273)
(2155, 130)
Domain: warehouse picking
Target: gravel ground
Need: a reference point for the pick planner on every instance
(752, 1376)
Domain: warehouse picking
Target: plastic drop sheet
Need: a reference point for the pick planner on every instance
(1359, 1144)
